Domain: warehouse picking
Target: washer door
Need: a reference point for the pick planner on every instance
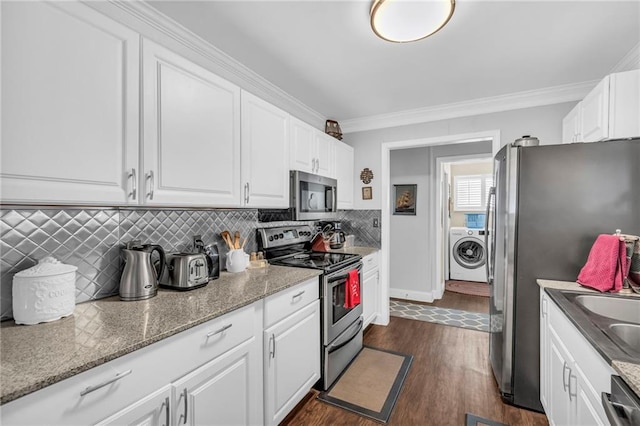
(469, 253)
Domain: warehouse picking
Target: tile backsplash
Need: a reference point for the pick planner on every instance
(91, 239)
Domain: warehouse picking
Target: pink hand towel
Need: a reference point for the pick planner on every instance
(604, 270)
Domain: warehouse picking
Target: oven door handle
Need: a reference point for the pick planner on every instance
(342, 276)
(337, 345)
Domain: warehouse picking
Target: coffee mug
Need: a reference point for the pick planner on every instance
(237, 260)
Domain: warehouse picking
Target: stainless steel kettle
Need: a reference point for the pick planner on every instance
(337, 239)
(139, 278)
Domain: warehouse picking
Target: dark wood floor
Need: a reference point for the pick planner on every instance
(450, 376)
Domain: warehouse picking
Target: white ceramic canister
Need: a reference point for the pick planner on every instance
(45, 292)
(237, 260)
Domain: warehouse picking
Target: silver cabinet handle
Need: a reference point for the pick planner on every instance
(564, 376)
(165, 405)
(569, 386)
(317, 165)
(184, 414)
(152, 183)
(298, 294)
(246, 193)
(220, 330)
(105, 383)
(272, 341)
(134, 184)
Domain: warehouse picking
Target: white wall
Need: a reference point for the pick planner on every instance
(545, 122)
(408, 245)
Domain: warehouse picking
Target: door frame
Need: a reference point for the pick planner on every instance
(434, 218)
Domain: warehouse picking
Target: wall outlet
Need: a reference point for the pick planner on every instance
(376, 223)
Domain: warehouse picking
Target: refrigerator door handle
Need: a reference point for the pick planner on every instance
(489, 262)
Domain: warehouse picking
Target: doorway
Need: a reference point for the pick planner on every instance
(446, 146)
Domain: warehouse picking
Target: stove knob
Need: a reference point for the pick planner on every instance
(275, 237)
(271, 238)
(281, 236)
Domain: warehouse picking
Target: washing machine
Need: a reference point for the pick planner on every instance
(468, 254)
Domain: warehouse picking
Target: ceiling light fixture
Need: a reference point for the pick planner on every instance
(402, 21)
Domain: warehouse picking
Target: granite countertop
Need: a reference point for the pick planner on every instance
(629, 370)
(35, 356)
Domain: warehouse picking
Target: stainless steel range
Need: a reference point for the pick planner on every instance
(341, 326)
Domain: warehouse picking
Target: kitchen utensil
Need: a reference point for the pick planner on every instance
(237, 260)
(45, 292)
(236, 240)
(139, 279)
(243, 243)
(185, 271)
(226, 236)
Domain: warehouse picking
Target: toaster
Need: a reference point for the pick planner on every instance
(185, 271)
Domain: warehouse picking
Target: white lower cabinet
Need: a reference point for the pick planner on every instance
(225, 391)
(218, 364)
(291, 349)
(151, 410)
(370, 288)
(572, 373)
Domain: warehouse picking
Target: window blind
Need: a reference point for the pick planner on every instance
(471, 192)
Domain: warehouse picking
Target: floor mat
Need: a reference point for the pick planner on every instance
(452, 317)
(473, 420)
(371, 383)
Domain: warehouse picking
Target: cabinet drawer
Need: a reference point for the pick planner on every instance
(217, 336)
(369, 262)
(286, 302)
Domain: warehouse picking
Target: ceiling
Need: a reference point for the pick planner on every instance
(323, 52)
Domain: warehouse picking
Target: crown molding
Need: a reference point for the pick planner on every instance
(518, 100)
(631, 61)
(146, 17)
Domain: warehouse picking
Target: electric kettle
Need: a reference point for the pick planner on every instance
(337, 239)
(139, 278)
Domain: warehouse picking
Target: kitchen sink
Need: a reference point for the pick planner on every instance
(628, 333)
(617, 308)
(612, 321)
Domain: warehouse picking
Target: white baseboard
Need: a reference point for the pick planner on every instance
(418, 296)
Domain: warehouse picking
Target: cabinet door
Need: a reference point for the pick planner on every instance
(589, 411)
(69, 105)
(571, 125)
(303, 146)
(561, 405)
(344, 175)
(191, 133)
(595, 113)
(326, 153)
(370, 290)
(291, 361)
(545, 375)
(150, 411)
(265, 153)
(225, 391)
(624, 104)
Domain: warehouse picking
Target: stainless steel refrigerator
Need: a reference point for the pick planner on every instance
(547, 207)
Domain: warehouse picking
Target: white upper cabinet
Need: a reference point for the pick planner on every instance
(326, 154)
(311, 150)
(265, 154)
(595, 113)
(572, 125)
(609, 111)
(344, 175)
(69, 105)
(191, 133)
(303, 146)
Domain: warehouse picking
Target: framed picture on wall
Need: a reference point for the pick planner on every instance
(366, 193)
(405, 199)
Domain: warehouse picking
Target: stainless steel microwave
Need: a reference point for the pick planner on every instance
(313, 197)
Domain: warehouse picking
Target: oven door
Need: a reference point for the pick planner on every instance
(337, 318)
(313, 197)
